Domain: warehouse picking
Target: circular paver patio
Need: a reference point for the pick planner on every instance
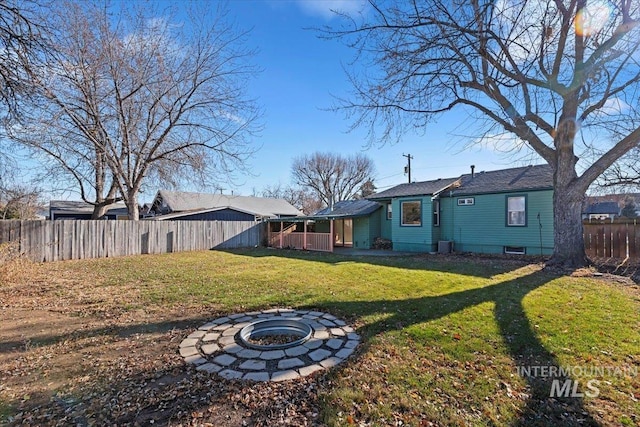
(217, 348)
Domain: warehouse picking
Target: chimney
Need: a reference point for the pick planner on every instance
(473, 173)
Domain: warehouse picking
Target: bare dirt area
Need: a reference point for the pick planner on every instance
(70, 355)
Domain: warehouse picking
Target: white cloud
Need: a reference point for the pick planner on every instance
(614, 106)
(325, 8)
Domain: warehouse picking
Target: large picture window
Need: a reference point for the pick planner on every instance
(517, 211)
(411, 213)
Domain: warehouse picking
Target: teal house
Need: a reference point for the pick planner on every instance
(505, 211)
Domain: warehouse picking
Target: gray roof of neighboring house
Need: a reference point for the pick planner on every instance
(539, 177)
(71, 206)
(179, 201)
(424, 188)
(349, 208)
(603, 208)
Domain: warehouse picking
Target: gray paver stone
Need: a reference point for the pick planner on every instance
(321, 335)
(195, 360)
(232, 348)
(353, 336)
(226, 340)
(230, 331)
(211, 336)
(284, 375)
(339, 322)
(221, 320)
(338, 332)
(189, 342)
(351, 344)
(224, 359)
(247, 353)
(188, 351)
(290, 363)
(253, 365)
(236, 316)
(308, 370)
(316, 313)
(313, 343)
(230, 374)
(319, 354)
(297, 350)
(256, 376)
(207, 326)
(347, 329)
(209, 367)
(344, 353)
(197, 334)
(329, 316)
(209, 348)
(326, 322)
(331, 362)
(335, 343)
(272, 354)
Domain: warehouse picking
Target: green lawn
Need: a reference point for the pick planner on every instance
(444, 338)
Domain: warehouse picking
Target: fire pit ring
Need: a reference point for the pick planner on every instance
(283, 327)
(277, 344)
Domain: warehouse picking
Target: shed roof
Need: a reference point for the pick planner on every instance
(603, 208)
(179, 201)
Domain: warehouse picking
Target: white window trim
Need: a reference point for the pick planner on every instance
(467, 201)
(402, 224)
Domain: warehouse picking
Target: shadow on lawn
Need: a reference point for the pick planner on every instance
(515, 328)
(467, 265)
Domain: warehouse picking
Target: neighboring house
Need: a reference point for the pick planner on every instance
(504, 211)
(186, 206)
(602, 211)
(64, 209)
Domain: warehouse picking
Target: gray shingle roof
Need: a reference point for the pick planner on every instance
(178, 201)
(349, 208)
(72, 206)
(539, 177)
(424, 188)
(603, 208)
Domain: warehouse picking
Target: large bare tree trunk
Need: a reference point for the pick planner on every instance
(568, 237)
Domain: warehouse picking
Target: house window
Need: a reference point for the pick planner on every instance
(517, 250)
(436, 213)
(517, 211)
(389, 211)
(411, 213)
(467, 201)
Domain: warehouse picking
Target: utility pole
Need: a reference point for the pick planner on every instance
(407, 169)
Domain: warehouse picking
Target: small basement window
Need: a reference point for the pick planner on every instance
(515, 250)
(467, 201)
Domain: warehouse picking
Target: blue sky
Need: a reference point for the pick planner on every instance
(300, 74)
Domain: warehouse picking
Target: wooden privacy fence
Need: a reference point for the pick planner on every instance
(619, 239)
(80, 239)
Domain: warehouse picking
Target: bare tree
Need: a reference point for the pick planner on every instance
(137, 97)
(543, 70)
(332, 177)
(301, 198)
(23, 43)
(19, 202)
